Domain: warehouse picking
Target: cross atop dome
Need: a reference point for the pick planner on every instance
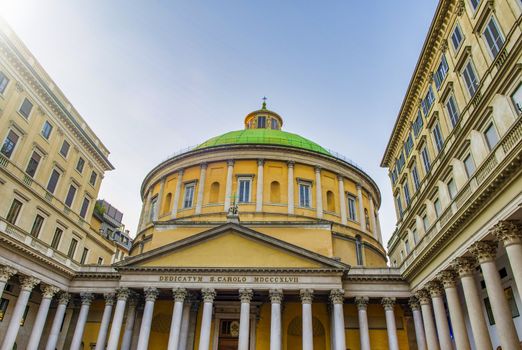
(264, 102)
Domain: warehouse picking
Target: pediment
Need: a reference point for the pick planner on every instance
(232, 246)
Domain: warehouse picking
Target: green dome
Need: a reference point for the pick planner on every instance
(263, 137)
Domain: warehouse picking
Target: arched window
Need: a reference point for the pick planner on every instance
(358, 250)
(214, 192)
(167, 203)
(275, 192)
(330, 201)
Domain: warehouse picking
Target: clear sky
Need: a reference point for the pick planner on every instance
(153, 77)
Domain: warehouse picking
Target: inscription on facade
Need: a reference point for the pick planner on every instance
(228, 279)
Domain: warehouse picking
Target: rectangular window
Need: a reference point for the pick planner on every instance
(72, 248)
(189, 195)
(80, 165)
(304, 195)
(9, 144)
(438, 207)
(441, 72)
(406, 192)
(273, 124)
(64, 150)
(474, 4)
(427, 102)
(3, 82)
(26, 108)
(57, 238)
(46, 130)
(469, 164)
(261, 122)
(70, 196)
(14, 211)
(517, 99)
(425, 222)
(415, 176)
(37, 225)
(456, 37)
(93, 178)
(417, 124)
(85, 207)
(493, 37)
(400, 162)
(152, 214)
(407, 246)
(33, 164)
(415, 235)
(352, 209)
(408, 145)
(394, 175)
(100, 261)
(84, 256)
(437, 137)
(53, 181)
(244, 186)
(4, 303)
(399, 204)
(426, 159)
(453, 112)
(452, 188)
(491, 136)
(470, 78)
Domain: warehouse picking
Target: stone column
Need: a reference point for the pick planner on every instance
(441, 319)
(228, 187)
(146, 216)
(245, 295)
(417, 321)
(26, 284)
(106, 319)
(5, 274)
(318, 193)
(201, 188)
(260, 183)
(389, 306)
(337, 299)
(364, 331)
(458, 323)
(290, 187)
(208, 295)
(114, 337)
(465, 267)
(177, 194)
(308, 330)
(159, 202)
(485, 252)
(57, 321)
(276, 298)
(379, 235)
(342, 200)
(36, 334)
(151, 294)
(82, 319)
(192, 325)
(362, 219)
(185, 322)
(373, 222)
(510, 234)
(427, 319)
(175, 326)
(129, 322)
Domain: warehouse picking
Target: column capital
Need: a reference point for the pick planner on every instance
(109, 298)
(123, 293)
(317, 169)
(507, 232)
(435, 289)
(133, 299)
(448, 278)
(337, 296)
(151, 293)
(290, 163)
(245, 295)
(6, 272)
(28, 282)
(203, 165)
(414, 303)
(362, 302)
(340, 177)
(230, 162)
(64, 298)
(358, 186)
(423, 296)
(276, 296)
(464, 265)
(180, 172)
(260, 162)
(86, 298)
(208, 295)
(388, 303)
(307, 295)
(48, 291)
(484, 251)
(179, 294)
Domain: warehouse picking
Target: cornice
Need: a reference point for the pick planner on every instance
(227, 269)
